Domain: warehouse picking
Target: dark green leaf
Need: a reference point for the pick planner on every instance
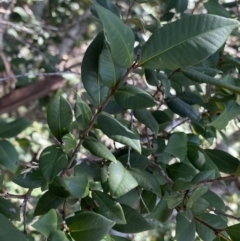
(9, 209)
(119, 36)
(109, 5)
(9, 232)
(97, 148)
(90, 71)
(52, 161)
(46, 202)
(177, 41)
(107, 207)
(148, 201)
(58, 236)
(174, 200)
(89, 226)
(8, 156)
(131, 97)
(195, 194)
(151, 77)
(136, 160)
(12, 129)
(59, 117)
(91, 170)
(214, 200)
(135, 222)
(120, 180)
(213, 7)
(118, 132)
(234, 232)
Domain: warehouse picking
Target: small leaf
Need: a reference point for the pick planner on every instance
(135, 222)
(8, 156)
(119, 37)
(52, 161)
(12, 129)
(49, 222)
(225, 162)
(33, 179)
(131, 97)
(78, 186)
(97, 148)
(146, 118)
(90, 71)
(107, 207)
(59, 117)
(120, 180)
(9, 210)
(46, 202)
(69, 143)
(9, 232)
(118, 132)
(86, 225)
(176, 41)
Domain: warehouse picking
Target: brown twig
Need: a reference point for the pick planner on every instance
(130, 8)
(219, 179)
(224, 214)
(196, 6)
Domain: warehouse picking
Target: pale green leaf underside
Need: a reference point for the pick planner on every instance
(195, 37)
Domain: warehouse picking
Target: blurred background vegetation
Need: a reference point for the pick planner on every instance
(42, 44)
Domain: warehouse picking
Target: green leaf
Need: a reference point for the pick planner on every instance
(83, 113)
(12, 129)
(200, 205)
(118, 132)
(48, 223)
(182, 108)
(58, 236)
(196, 193)
(185, 228)
(9, 209)
(97, 148)
(52, 161)
(225, 162)
(78, 186)
(136, 160)
(117, 238)
(161, 212)
(91, 170)
(147, 202)
(226, 82)
(8, 156)
(59, 117)
(131, 198)
(107, 207)
(131, 97)
(177, 145)
(151, 77)
(109, 5)
(120, 180)
(177, 41)
(69, 143)
(147, 118)
(181, 5)
(146, 180)
(46, 202)
(204, 175)
(119, 37)
(9, 232)
(89, 226)
(234, 232)
(90, 71)
(213, 7)
(174, 200)
(214, 200)
(58, 188)
(135, 222)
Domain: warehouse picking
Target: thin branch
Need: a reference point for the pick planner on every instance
(129, 148)
(130, 8)
(219, 179)
(162, 173)
(174, 124)
(196, 6)
(99, 110)
(144, 204)
(224, 214)
(10, 195)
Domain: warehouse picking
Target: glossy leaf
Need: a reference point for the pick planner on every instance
(83, 113)
(9, 209)
(78, 186)
(46, 202)
(119, 36)
(49, 222)
(135, 222)
(86, 225)
(97, 148)
(146, 118)
(118, 132)
(107, 207)
(131, 97)
(90, 71)
(59, 117)
(225, 162)
(52, 161)
(120, 180)
(8, 156)
(9, 232)
(69, 142)
(13, 128)
(177, 41)
(177, 145)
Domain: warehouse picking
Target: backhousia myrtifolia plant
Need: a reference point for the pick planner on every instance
(154, 170)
